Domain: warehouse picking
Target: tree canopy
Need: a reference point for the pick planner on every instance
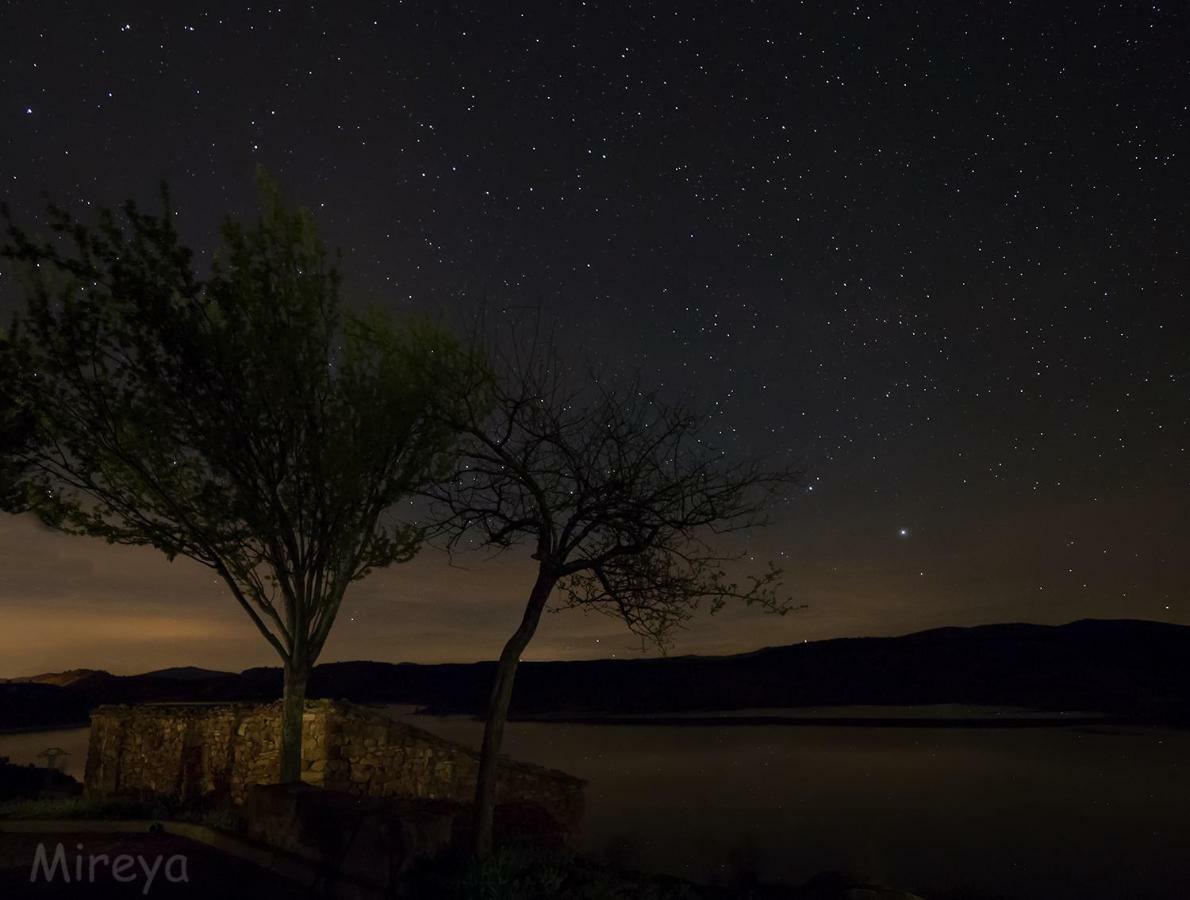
(241, 418)
(626, 508)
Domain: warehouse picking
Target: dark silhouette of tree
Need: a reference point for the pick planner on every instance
(242, 419)
(620, 501)
(16, 433)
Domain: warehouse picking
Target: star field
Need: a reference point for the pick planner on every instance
(934, 254)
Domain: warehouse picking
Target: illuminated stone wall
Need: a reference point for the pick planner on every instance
(192, 751)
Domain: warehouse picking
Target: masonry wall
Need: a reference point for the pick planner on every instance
(188, 751)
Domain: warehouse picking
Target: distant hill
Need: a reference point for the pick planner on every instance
(61, 679)
(30, 705)
(1126, 668)
(1121, 667)
(188, 673)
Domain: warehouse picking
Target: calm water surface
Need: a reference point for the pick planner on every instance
(24, 748)
(1029, 813)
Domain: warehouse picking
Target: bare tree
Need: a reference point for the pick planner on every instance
(623, 504)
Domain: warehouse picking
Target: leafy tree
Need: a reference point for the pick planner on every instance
(620, 501)
(242, 419)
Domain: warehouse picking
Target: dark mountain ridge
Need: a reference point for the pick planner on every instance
(61, 679)
(1125, 668)
(33, 706)
(188, 673)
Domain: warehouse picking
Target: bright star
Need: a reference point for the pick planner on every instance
(904, 532)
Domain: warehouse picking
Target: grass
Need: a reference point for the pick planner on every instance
(527, 873)
(122, 808)
(77, 808)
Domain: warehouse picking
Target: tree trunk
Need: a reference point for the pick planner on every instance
(493, 729)
(293, 707)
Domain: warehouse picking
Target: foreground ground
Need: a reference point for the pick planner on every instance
(510, 875)
(208, 872)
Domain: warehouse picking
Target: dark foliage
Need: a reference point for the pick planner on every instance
(242, 419)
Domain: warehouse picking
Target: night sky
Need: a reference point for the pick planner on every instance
(934, 254)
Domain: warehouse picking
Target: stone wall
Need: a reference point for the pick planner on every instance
(191, 751)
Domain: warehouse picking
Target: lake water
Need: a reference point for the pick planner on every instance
(25, 747)
(1022, 813)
